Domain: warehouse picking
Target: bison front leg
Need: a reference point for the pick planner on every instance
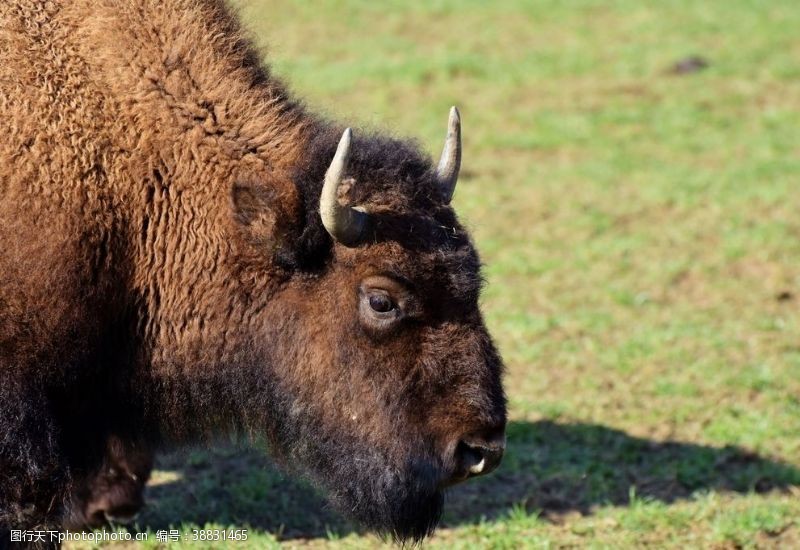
(34, 475)
(115, 492)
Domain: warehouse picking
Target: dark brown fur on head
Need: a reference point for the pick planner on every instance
(167, 277)
(374, 412)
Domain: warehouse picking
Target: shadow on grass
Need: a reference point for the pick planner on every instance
(555, 469)
(551, 468)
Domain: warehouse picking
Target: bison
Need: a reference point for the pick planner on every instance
(116, 491)
(187, 251)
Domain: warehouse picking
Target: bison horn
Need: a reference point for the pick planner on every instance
(450, 162)
(344, 223)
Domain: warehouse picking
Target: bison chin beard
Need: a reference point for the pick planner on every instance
(393, 488)
(405, 504)
(398, 497)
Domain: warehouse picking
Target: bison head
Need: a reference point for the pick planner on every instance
(384, 385)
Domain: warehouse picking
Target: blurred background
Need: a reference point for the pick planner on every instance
(631, 175)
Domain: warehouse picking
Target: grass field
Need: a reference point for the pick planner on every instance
(641, 233)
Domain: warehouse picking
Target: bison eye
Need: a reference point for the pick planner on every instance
(381, 303)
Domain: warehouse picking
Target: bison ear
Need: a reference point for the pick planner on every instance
(264, 213)
(252, 204)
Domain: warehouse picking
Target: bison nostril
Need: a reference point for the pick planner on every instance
(476, 455)
(489, 458)
(477, 469)
(469, 460)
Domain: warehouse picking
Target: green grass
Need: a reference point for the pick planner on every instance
(641, 236)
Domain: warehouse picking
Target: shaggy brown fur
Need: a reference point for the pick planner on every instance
(166, 276)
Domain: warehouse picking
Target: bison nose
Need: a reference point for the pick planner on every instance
(478, 454)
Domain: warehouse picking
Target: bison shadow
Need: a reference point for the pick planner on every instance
(550, 468)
